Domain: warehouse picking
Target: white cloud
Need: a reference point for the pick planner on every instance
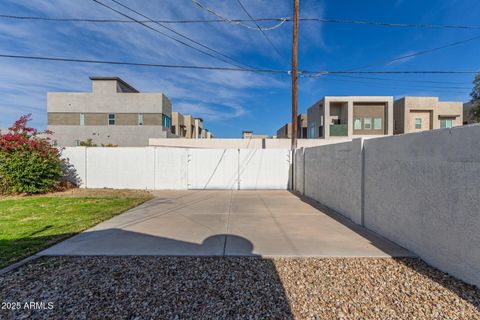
(216, 95)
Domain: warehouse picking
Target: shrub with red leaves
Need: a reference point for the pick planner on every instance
(28, 162)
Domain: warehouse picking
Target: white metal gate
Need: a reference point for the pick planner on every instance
(238, 168)
(264, 168)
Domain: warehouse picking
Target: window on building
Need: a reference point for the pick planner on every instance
(357, 124)
(418, 123)
(77, 143)
(140, 119)
(312, 132)
(367, 123)
(166, 121)
(446, 123)
(377, 123)
(173, 129)
(82, 119)
(111, 119)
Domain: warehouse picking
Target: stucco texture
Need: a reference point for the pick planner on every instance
(422, 191)
(333, 177)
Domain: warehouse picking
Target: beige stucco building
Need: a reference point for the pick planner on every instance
(350, 116)
(249, 135)
(285, 132)
(186, 126)
(415, 114)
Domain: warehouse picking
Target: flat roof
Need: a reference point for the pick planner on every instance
(108, 78)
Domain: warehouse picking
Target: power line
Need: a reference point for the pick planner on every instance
(277, 71)
(181, 35)
(237, 22)
(401, 80)
(386, 24)
(164, 34)
(223, 20)
(418, 53)
(130, 21)
(264, 34)
(138, 64)
(402, 85)
(319, 73)
(463, 91)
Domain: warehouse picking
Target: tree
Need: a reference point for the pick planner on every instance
(28, 162)
(475, 94)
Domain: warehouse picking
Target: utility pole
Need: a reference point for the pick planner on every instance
(295, 74)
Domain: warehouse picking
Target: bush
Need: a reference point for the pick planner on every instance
(28, 163)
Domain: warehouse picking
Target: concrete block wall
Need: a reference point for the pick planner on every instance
(333, 177)
(299, 172)
(419, 190)
(422, 191)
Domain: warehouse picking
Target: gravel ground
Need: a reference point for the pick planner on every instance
(237, 287)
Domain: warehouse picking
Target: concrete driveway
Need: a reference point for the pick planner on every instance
(216, 223)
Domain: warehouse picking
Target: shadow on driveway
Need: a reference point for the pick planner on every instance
(172, 287)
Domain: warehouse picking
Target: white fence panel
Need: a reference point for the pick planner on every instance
(170, 169)
(212, 168)
(264, 168)
(120, 168)
(180, 169)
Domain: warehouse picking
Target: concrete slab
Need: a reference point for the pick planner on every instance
(217, 222)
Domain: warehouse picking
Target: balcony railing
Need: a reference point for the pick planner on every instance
(339, 130)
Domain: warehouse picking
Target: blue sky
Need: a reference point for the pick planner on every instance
(231, 102)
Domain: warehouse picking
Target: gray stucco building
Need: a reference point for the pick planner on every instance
(113, 113)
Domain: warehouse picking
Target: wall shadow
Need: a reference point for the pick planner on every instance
(465, 291)
(185, 285)
(375, 239)
(70, 174)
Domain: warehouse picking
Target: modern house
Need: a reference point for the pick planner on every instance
(467, 116)
(350, 116)
(186, 126)
(286, 131)
(414, 114)
(113, 113)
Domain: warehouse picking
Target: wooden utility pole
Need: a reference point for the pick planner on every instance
(295, 74)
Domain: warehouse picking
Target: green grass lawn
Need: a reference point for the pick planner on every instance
(30, 224)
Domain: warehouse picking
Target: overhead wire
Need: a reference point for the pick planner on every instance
(227, 20)
(369, 83)
(139, 64)
(418, 53)
(263, 33)
(180, 34)
(401, 80)
(166, 35)
(280, 71)
(239, 22)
